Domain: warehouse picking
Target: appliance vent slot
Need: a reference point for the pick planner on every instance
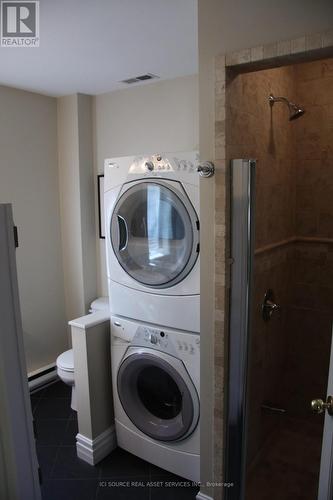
(140, 78)
(129, 81)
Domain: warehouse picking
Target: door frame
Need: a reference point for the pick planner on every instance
(18, 458)
(242, 208)
(325, 491)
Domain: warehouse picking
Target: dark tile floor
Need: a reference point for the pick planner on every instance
(287, 467)
(64, 476)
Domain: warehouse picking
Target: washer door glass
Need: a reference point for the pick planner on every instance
(155, 397)
(154, 234)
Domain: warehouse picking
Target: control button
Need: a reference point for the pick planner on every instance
(149, 166)
(153, 338)
(191, 349)
(162, 334)
(185, 347)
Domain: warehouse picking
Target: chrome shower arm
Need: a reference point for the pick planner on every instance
(272, 99)
(294, 110)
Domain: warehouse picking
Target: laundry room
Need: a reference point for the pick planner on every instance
(122, 345)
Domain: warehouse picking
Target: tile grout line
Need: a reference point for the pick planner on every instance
(57, 452)
(54, 461)
(58, 444)
(150, 479)
(33, 410)
(98, 483)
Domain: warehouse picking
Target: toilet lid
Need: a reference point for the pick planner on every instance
(66, 361)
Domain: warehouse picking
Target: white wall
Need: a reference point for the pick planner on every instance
(160, 116)
(29, 180)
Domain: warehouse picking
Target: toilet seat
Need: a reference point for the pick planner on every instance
(65, 361)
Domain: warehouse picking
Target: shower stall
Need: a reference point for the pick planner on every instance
(281, 304)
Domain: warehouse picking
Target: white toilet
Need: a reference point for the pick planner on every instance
(65, 361)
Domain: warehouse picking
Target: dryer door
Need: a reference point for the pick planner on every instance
(155, 233)
(158, 395)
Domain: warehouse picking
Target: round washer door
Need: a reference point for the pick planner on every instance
(155, 233)
(158, 395)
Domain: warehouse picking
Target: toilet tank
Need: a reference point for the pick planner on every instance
(99, 304)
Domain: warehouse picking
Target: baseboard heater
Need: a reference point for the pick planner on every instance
(42, 377)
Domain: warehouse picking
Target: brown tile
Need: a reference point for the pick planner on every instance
(325, 224)
(306, 223)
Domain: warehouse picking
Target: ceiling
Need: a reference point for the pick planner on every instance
(89, 46)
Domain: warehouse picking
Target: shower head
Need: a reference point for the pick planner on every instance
(295, 111)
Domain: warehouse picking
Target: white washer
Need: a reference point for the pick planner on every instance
(155, 376)
(152, 238)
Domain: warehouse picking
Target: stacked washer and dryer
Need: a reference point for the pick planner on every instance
(152, 244)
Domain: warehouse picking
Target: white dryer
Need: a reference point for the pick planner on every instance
(152, 238)
(155, 376)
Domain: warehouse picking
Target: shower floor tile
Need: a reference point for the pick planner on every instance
(288, 466)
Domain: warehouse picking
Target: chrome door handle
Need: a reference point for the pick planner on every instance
(269, 306)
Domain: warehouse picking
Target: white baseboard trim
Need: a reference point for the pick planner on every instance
(93, 451)
(202, 496)
(43, 377)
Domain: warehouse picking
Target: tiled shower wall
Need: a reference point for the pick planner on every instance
(294, 200)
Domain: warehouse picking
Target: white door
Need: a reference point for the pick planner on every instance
(18, 460)
(325, 491)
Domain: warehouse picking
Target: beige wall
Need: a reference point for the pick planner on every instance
(29, 180)
(160, 116)
(76, 185)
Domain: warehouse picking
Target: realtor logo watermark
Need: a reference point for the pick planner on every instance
(20, 24)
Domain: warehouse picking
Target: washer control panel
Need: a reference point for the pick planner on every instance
(176, 343)
(167, 341)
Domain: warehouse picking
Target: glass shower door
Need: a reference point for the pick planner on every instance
(287, 439)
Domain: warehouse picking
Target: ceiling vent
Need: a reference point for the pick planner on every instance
(140, 78)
